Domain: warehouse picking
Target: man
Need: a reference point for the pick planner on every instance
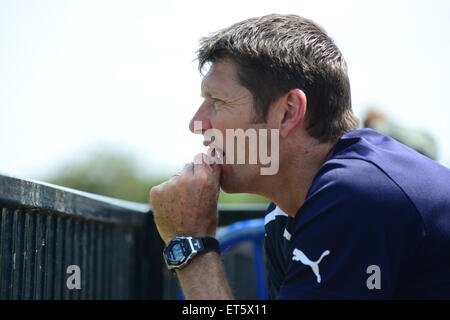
(354, 213)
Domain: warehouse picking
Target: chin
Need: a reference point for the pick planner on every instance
(234, 179)
(229, 188)
(226, 182)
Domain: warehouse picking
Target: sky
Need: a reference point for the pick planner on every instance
(77, 76)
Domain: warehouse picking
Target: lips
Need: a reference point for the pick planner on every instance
(215, 152)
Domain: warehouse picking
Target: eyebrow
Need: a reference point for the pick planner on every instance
(212, 94)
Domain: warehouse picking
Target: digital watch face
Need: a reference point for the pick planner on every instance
(177, 252)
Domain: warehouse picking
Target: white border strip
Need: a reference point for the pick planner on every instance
(272, 214)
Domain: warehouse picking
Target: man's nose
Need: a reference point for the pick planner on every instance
(200, 122)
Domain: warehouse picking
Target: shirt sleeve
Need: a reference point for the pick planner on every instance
(352, 236)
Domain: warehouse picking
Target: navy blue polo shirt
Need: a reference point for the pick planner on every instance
(375, 225)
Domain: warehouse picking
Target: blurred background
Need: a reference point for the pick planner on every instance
(97, 95)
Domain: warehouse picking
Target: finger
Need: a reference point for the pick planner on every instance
(200, 160)
(207, 166)
(156, 191)
(205, 158)
(216, 171)
(188, 169)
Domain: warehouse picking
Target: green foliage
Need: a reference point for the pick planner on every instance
(241, 198)
(117, 175)
(107, 173)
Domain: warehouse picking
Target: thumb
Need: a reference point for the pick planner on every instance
(216, 170)
(205, 162)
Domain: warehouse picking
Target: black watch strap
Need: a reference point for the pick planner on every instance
(210, 244)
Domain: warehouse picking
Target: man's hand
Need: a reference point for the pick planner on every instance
(186, 205)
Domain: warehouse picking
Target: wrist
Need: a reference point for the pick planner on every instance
(181, 251)
(204, 278)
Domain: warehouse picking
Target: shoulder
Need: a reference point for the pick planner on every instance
(354, 182)
(422, 180)
(355, 175)
(354, 192)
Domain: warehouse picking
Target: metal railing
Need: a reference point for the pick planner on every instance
(46, 230)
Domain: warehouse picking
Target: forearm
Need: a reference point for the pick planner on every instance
(186, 205)
(204, 279)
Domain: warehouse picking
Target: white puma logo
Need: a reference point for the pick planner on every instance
(300, 256)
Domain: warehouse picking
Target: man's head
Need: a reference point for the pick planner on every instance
(276, 53)
(280, 62)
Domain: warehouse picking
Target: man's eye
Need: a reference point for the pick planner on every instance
(216, 103)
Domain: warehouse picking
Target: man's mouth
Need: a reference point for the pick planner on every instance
(216, 153)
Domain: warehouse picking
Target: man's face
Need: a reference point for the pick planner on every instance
(228, 105)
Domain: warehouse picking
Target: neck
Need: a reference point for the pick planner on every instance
(288, 188)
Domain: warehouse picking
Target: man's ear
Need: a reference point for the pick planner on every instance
(293, 110)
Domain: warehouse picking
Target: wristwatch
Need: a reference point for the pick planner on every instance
(180, 251)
